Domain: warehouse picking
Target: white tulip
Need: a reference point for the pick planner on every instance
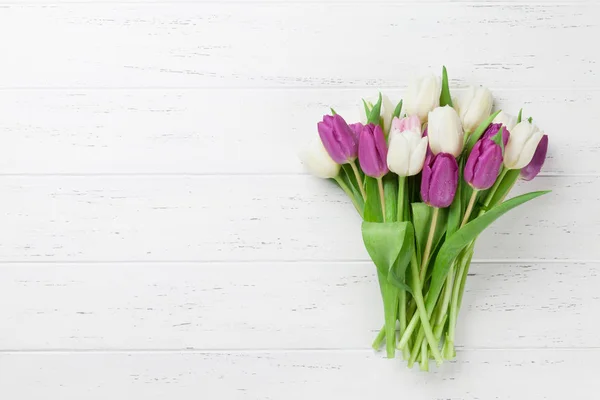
(386, 112)
(474, 106)
(445, 131)
(318, 161)
(523, 141)
(407, 149)
(509, 121)
(422, 96)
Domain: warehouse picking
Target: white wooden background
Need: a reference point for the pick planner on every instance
(160, 240)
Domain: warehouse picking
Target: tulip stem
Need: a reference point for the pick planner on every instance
(427, 251)
(401, 198)
(358, 180)
(347, 190)
(469, 207)
(381, 196)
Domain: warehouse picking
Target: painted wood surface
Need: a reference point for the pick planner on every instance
(160, 238)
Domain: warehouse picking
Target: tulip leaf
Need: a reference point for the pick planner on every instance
(505, 186)
(372, 212)
(375, 113)
(530, 120)
(390, 246)
(445, 98)
(479, 131)
(455, 210)
(332, 111)
(520, 115)
(368, 107)
(422, 214)
(397, 110)
(347, 176)
(497, 138)
(456, 242)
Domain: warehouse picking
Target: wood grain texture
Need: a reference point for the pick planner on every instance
(205, 218)
(505, 374)
(296, 44)
(277, 305)
(183, 131)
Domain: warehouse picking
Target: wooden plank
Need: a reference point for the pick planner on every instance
(295, 44)
(192, 131)
(277, 305)
(508, 374)
(237, 218)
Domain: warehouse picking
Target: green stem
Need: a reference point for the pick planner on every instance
(442, 312)
(427, 251)
(402, 318)
(377, 342)
(424, 357)
(490, 194)
(358, 180)
(422, 311)
(381, 197)
(469, 207)
(390, 308)
(347, 190)
(402, 197)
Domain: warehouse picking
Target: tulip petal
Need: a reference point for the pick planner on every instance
(533, 168)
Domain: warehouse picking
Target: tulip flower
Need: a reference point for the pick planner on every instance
(407, 149)
(318, 161)
(506, 119)
(387, 110)
(338, 138)
(483, 164)
(493, 129)
(531, 170)
(474, 106)
(422, 96)
(439, 180)
(522, 143)
(445, 131)
(372, 151)
(356, 129)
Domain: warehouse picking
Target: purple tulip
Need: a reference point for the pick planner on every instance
(531, 170)
(483, 164)
(356, 129)
(493, 129)
(439, 180)
(338, 138)
(372, 151)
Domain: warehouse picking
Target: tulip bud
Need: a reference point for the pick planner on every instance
(318, 161)
(439, 180)
(445, 131)
(386, 112)
(422, 96)
(533, 168)
(483, 164)
(522, 143)
(338, 138)
(493, 130)
(356, 129)
(474, 106)
(407, 150)
(372, 151)
(506, 119)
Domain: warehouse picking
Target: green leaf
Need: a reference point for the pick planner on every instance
(390, 190)
(461, 238)
(368, 106)
(479, 131)
(497, 138)
(530, 120)
(397, 110)
(507, 183)
(373, 116)
(455, 210)
(372, 211)
(347, 175)
(422, 214)
(390, 246)
(445, 98)
(332, 111)
(520, 115)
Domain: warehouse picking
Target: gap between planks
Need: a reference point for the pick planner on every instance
(209, 263)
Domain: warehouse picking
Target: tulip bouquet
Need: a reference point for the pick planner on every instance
(426, 182)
